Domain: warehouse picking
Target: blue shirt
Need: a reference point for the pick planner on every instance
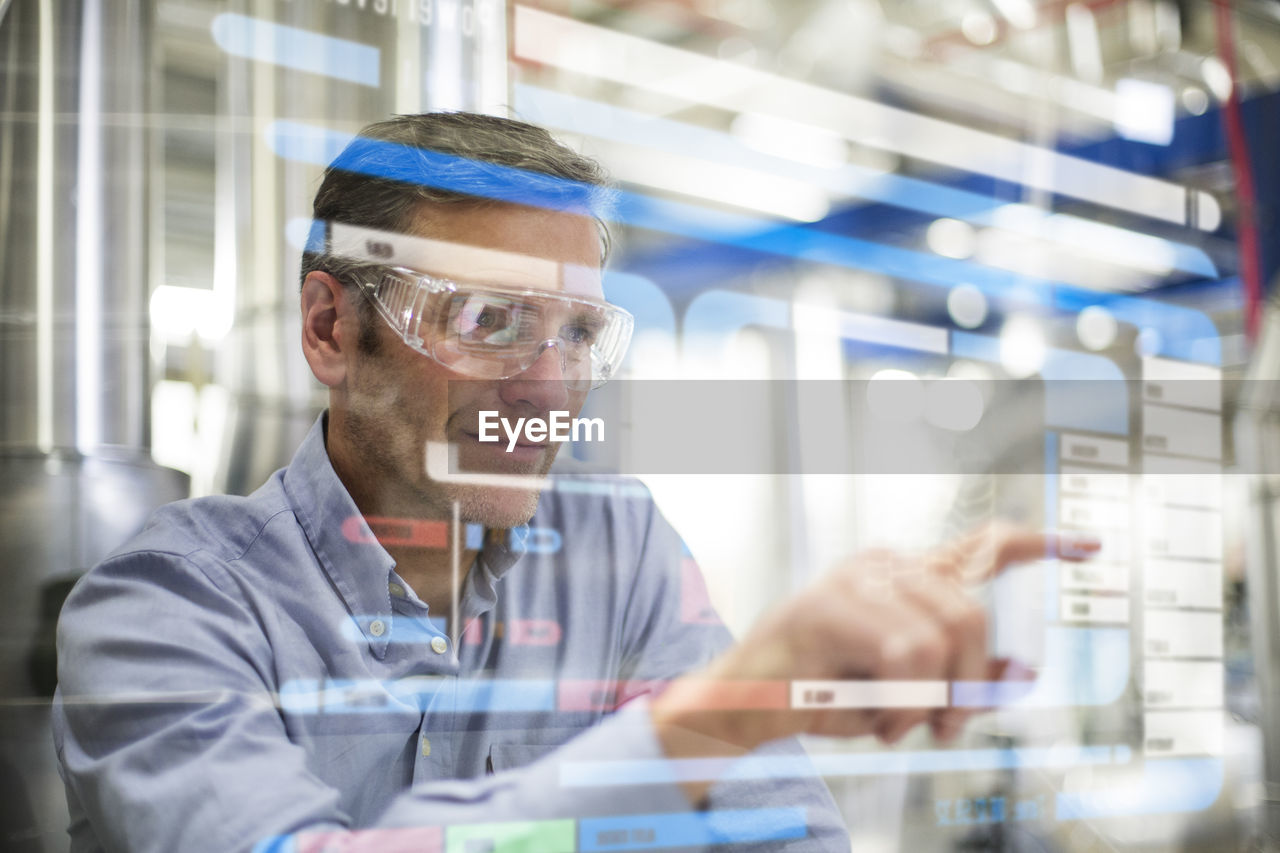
(250, 668)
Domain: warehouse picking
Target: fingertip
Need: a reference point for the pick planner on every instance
(1076, 544)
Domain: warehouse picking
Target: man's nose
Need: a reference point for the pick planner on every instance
(541, 384)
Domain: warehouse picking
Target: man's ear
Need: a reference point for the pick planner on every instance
(329, 327)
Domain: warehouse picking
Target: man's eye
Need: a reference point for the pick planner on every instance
(578, 334)
(485, 319)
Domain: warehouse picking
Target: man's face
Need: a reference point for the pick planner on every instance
(398, 400)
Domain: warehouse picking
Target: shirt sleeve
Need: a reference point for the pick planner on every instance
(169, 737)
(673, 628)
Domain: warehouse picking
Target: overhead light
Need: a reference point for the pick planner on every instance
(1096, 328)
(1142, 27)
(178, 314)
(751, 189)
(1195, 100)
(1168, 24)
(621, 58)
(1208, 213)
(979, 28)
(1022, 347)
(1083, 42)
(791, 140)
(967, 306)
(1020, 13)
(950, 238)
(1110, 243)
(1216, 77)
(608, 122)
(1144, 111)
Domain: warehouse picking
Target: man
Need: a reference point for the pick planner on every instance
(372, 641)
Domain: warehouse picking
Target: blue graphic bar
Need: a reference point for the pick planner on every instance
(505, 695)
(1167, 786)
(301, 50)
(580, 774)
(690, 829)
(407, 164)
(1179, 328)
(417, 694)
(1184, 333)
(605, 121)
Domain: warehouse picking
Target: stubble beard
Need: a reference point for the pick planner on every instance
(377, 427)
(497, 506)
(420, 496)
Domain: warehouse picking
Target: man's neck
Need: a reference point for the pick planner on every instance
(435, 575)
(429, 550)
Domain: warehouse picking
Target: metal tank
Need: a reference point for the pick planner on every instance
(74, 345)
(135, 153)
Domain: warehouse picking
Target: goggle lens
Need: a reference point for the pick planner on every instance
(497, 334)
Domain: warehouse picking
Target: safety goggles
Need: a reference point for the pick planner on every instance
(490, 332)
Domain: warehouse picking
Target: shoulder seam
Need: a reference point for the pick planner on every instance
(258, 535)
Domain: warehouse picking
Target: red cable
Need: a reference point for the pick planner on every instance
(1237, 145)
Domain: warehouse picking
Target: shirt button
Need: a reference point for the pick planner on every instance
(439, 645)
(377, 627)
(396, 590)
(426, 746)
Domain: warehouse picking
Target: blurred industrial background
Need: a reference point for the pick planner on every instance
(913, 190)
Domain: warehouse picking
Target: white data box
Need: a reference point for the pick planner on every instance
(1183, 533)
(1198, 386)
(1085, 608)
(1090, 483)
(1179, 634)
(1170, 733)
(1174, 583)
(1093, 576)
(869, 694)
(1181, 432)
(1117, 547)
(1182, 482)
(1182, 684)
(1112, 452)
(1094, 515)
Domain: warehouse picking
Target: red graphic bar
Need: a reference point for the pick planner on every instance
(413, 532)
(416, 839)
(517, 632)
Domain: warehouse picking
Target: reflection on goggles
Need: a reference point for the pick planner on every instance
(495, 333)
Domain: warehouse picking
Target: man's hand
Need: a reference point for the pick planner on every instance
(879, 616)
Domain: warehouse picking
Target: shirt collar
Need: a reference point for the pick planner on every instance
(356, 564)
(501, 550)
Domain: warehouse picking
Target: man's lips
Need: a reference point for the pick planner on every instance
(502, 441)
(522, 449)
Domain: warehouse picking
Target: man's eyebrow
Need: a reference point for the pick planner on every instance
(591, 319)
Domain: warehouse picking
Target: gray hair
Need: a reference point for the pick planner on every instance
(385, 176)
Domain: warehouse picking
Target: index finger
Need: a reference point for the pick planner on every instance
(992, 548)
